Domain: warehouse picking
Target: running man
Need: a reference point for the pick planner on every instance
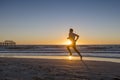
(73, 38)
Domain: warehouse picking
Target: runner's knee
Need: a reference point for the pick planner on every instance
(67, 47)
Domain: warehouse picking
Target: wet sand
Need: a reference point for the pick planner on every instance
(55, 69)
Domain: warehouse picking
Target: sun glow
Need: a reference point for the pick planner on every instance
(68, 42)
(70, 57)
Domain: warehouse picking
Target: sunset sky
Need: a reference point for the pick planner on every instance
(48, 21)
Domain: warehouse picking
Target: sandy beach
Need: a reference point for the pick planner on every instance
(53, 69)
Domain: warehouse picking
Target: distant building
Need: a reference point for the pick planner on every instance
(0, 43)
(8, 43)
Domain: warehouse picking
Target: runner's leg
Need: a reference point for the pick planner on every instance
(68, 48)
(74, 47)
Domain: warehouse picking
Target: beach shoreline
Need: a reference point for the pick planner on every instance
(57, 69)
(65, 57)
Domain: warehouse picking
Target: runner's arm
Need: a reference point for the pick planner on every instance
(77, 37)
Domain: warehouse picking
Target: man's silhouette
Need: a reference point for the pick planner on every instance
(73, 38)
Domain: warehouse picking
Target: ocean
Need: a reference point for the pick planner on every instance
(89, 52)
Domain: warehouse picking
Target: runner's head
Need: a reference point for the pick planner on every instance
(71, 30)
